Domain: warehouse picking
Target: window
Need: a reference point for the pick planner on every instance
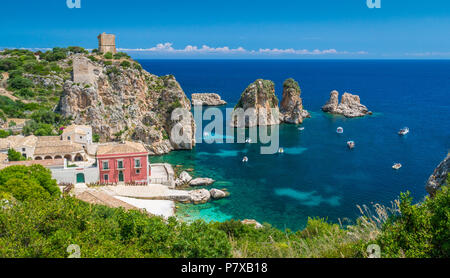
(68, 138)
(23, 149)
(105, 165)
(120, 164)
(106, 177)
(138, 171)
(137, 163)
(81, 137)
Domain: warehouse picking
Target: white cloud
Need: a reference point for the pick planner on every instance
(205, 49)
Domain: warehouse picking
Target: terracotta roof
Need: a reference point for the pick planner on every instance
(57, 147)
(18, 141)
(122, 148)
(48, 138)
(100, 198)
(45, 163)
(79, 129)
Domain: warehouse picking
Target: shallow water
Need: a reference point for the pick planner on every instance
(317, 175)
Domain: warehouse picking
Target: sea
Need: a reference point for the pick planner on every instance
(318, 175)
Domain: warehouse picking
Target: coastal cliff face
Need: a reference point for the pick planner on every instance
(291, 107)
(439, 176)
(260, 98)
(207, 99)
(350, 105)
(121, 101)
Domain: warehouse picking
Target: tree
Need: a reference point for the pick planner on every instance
(15, 156)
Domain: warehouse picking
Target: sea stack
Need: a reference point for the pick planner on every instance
(291, 108)
(439, 176)
(260, 104)
(350, 105)
(207, 99)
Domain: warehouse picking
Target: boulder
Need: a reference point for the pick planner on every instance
(199, 196)
(260, 105)
(439, 176)
(349, 107)
(207, 99)
(253, 222)
(291, 108)
(218, 194)
(201, 182)
(183, 179)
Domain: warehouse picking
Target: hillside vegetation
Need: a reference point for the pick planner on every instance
(35, 221)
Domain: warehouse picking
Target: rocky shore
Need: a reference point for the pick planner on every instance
(439, 176)
(350, 105)
(207, 99)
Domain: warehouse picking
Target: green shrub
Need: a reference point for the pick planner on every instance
(108, 55)
(18, 83)
(14, 155)
(96, 138)
(4, 133)
(120, 55)
(125, 64)
(421, 230)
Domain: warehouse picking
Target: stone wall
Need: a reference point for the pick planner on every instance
(69, 175)
(107, 43)
(84, 71)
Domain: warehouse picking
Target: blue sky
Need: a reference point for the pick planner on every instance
(236, 29)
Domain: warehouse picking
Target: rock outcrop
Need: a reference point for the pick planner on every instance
(350, 105)
(291, 107)
(218, 194)
(201, 182)
(439, 176)
(183, 179)
(200, 196)
(260, 104)
(252, 222)
(207, 99)
(121, 101)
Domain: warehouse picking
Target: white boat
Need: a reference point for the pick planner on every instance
(403, 131)
(301, 128)
(280, 150)
(245, 159)
(351, 144)
(340, 130)
(248, 140)
(397, 166)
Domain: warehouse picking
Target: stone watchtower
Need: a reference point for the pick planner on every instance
(107, 43)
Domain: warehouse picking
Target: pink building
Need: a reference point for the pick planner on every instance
(123, 163)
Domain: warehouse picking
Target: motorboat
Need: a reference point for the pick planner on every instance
(397, 166)
(340, 130)
(245, 159)
(351, 144)
(403, 131)
(301, 128)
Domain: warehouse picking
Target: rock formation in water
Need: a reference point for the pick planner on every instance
(291, 107)
(350, 105)
(121, 101)
(201, 182)
(207, 99)
(260, 104)
(218, 194)
(439, 176)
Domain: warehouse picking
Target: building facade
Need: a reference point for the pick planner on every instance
(123, 163)
(80, 134)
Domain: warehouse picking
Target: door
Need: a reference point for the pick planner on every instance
(80, 178)
(121, 179)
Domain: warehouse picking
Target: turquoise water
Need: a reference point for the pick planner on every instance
(317, 175)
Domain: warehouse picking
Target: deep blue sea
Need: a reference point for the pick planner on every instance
(318, 175)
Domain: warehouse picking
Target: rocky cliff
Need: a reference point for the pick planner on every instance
(439, 176)
(259, 97)
(207, 99)
(291, 107)
(350, 105)
(121, 101)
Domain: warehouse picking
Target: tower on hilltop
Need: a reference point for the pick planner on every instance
(107, 43)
